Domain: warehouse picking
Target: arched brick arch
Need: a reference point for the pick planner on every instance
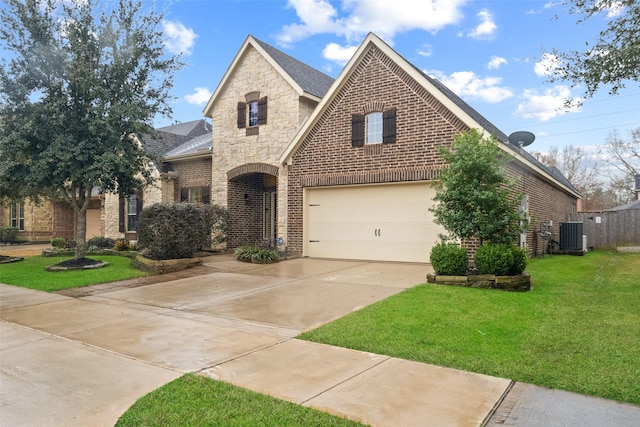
(250, 168)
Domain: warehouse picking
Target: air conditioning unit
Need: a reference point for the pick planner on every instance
(571, 237)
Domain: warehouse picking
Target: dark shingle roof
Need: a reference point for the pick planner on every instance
(310, 80)
(169, 137)
(494, 130)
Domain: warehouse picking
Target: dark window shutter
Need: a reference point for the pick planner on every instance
(184, 194)
(357, 130)
(206, 195)
(262, 111)
(121, 225)
(242, 115)
(138, 202)
(389, 126)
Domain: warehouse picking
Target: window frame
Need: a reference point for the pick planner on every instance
(17, 215)
(373, 128)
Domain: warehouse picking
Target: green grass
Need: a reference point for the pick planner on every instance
(578, 329)
(30, 273)
(193, 400)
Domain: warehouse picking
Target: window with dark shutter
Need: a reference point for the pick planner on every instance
(357, 130)
(389, 126)
(262, 111)
(242, 115)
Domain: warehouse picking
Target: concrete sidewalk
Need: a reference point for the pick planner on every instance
(85, 358)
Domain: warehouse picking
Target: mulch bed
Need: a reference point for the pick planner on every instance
(77, 264)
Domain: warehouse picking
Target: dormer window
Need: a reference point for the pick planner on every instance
(252, 112)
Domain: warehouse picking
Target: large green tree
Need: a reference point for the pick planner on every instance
(613, 57)
(79, 80)
(475, 199)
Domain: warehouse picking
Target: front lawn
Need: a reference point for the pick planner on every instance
(578, 329)
(193, 400)
(31, 273)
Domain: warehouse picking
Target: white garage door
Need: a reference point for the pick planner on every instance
(370, 222)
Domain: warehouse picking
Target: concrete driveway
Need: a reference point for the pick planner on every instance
(83, 357)
(84, 361)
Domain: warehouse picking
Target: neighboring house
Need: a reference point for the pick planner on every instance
(351, 177)
(181, 165)
(40, 222)
(257, 108)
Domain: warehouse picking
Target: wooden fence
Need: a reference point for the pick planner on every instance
(609, 229)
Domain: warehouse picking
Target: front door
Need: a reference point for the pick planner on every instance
(269, 217)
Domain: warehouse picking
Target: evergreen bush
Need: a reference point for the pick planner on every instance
(179, 230)
(495, 259)
(449, 259)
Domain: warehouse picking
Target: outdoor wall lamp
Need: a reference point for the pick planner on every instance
(246, 198)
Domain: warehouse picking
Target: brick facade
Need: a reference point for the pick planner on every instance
(191, 173)
(326, 157)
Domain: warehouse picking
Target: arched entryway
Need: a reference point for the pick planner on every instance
(252, 200)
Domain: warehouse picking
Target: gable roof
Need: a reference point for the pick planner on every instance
(448, 98)
(306, 80)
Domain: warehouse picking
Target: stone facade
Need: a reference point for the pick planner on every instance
(235, 147)
(44, 221)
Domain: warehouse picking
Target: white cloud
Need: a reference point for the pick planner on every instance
(356, 18)
(339, 54)
(496, 62)
(179, 39)
(548, 65)
(548, 104)
(200, 96)
(486, 28)
(467, 84)
(425, 50)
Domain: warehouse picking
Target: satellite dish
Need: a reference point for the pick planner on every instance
(521, 138)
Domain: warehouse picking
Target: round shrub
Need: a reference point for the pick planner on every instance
(101, 242)
(449, 259)
(59, 243)
(519, 261)
(178, 230)
(494, 259)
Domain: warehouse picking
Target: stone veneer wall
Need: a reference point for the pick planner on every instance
(232, 147)
(43, 222)
(151, 195)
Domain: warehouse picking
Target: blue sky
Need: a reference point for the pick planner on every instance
(491, 53)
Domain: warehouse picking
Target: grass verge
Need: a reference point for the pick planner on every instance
(193, 400)
(576, 330)
(30, 273)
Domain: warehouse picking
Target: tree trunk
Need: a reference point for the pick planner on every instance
(81, 225)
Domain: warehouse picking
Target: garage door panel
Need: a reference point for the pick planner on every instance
(379, 222)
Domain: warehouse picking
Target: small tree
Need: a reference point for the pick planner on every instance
(474, 197)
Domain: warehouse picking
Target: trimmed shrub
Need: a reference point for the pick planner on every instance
(449, 259)
(519, 261)
(179, 230)
(59, 243)
(8, 234)
(101, 242)
(494, 259)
